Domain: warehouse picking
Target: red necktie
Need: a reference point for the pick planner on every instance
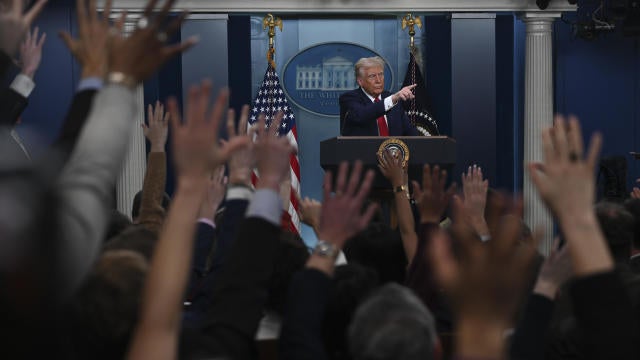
(383, 129)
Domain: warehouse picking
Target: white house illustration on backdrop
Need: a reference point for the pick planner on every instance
(335, 73)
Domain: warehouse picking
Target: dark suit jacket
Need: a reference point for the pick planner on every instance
(12, 105)
(239, 295)
(358, 116)
(301, 335)
(5, 63)
(74, 121)
(634, 264)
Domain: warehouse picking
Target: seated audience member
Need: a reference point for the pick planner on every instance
(531, 332)
(240, 290)
(118, 222)
(86, 182)
(135, 238)
(393, 324)
(105, 310)
(351, 285)
(379, 248)
(341, 218)
(432, 201)
(633, 206)
(617, 226)
(137, 200)
(600, 302)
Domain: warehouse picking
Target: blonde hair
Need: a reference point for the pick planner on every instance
(363, 63)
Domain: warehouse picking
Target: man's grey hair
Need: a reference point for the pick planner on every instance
(364, 63)
(392, 324)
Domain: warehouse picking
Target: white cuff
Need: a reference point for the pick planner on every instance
(266, 204)
(239, 193)
(388, 103)
(23, 85)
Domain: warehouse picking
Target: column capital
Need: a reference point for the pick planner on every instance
(542, 16)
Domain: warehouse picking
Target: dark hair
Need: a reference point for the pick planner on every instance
(291, 255)
(137, 201)
(105, 310)
(135, 238)
(392, 324)
(118, 222)
(618, 226)
(379, 248)
(352, 283)
(633, 207)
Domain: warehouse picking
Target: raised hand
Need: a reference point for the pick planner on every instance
(484, 281)
(341, 215)
(474, 189)
(14, 23)
(566, 183)
(404, 94)
(91, 48)
(555, 270)
(566, 178)
(309, 211)
(216, 188)
(391, 167)
(157, 129)
(195, 142)
(272, 154)
(140, 55)
(241, 162)
(31, 52)
(432, 199)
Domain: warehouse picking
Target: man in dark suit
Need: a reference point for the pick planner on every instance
(370, 110)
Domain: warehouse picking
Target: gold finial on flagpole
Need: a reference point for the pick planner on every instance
(271, 22)
(410, 21)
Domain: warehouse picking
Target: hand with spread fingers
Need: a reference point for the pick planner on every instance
(484, 281)
(14, 23)
(195, 142)
(31, 52)
(216, 188)
(566, 183)
(433, 199)
(566, 179)
(341, 215)
(391, 167)
(157, 129)
(474, 190)
(94, 32)
(141, 54)
(272, 154)
(241, 162)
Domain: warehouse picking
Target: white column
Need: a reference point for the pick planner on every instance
(538, 114)
(132, 174)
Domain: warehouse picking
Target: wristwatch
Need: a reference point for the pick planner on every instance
(400, 189)
(325, 249)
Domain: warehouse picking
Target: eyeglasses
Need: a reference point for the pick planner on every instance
(373, 76)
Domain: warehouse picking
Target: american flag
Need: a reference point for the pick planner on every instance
(270, 101)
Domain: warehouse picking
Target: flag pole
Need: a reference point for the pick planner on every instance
(410, 22)
(271, 22)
